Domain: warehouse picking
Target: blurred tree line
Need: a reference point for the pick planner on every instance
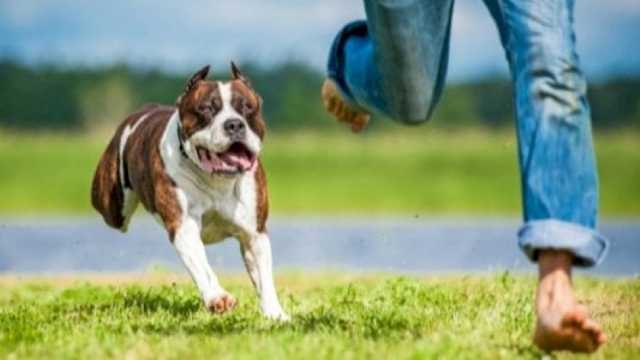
(87, 99)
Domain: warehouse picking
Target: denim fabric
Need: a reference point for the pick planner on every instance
(395, 64)
(402, 49)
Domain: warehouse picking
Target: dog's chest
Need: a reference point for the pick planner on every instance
(224, 206)
(216, 228)
(224, 212)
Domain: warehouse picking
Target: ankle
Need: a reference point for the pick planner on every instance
(555, 263)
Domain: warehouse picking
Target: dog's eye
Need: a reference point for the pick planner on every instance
(205, 109)
(247, 107)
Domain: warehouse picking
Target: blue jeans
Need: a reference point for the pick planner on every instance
(395, 64)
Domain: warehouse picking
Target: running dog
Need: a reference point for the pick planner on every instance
(196, 168)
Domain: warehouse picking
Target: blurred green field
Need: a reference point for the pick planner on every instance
(415, 171)
(334, 316)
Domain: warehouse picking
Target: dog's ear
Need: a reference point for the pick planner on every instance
(199, 75)
(236, 74)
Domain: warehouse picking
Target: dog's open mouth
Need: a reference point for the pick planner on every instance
(237, 158)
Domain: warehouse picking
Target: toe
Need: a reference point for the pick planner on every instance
(222, 304)
(595, 330)
(350, 117)
(335, 105)
(592, 326)
(230, 302)
(330, 104)
(570, 336)
(585, 337)
(602, 338)
(584, 341)
(574, 318)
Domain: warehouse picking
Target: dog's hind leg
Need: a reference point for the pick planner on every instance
(256, 252)
(114, 201)
(107, 195)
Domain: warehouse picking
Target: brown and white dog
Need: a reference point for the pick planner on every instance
(196, 168)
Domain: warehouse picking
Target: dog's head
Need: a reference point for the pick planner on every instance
(221, 124)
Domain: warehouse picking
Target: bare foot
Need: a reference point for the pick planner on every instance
(221, 304)
(336, 106)
(562, 324)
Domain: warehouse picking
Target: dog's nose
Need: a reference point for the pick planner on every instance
(234, 127)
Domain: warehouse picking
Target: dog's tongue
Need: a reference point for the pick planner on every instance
(236, 158)
(240, 160)
(209, 163)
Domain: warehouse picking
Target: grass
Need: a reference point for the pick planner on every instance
(412, 171)
(335, 316)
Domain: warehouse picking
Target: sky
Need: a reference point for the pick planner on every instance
(179, 36)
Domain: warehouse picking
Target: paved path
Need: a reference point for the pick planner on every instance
(376, 244)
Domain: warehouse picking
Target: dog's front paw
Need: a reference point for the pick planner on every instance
(283, 316)
(276, 314)
(221, 303)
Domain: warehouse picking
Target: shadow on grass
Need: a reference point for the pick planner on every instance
(384, 312)
(151, 301)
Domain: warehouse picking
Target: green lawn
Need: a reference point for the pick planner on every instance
(335, 316)
(414, 171)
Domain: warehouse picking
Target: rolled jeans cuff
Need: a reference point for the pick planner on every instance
(337, 58)
(587, 245)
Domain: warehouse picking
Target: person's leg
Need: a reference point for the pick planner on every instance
(394, 63)
(557, 163)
